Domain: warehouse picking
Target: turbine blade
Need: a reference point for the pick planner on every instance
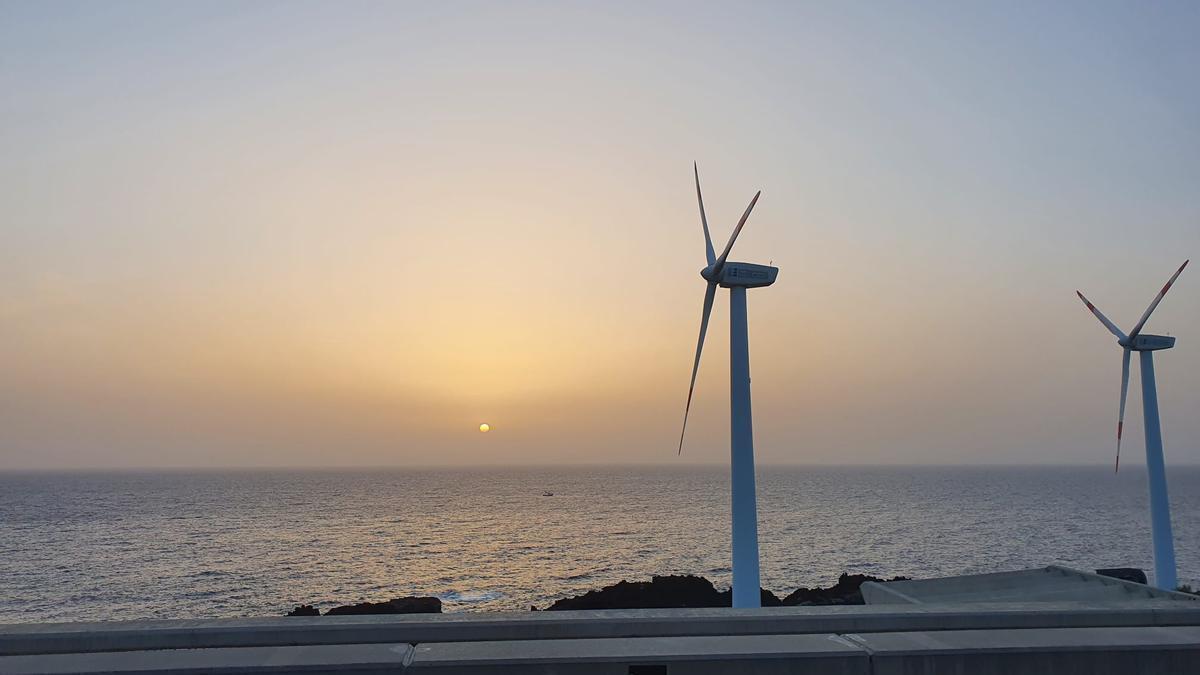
(1138, 328)
(1121, 415)
(709, 294)
(708, 247)
(1112, 327)
(736, 231)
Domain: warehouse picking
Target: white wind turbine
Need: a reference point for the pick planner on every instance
(1160, 510)
(737, 277)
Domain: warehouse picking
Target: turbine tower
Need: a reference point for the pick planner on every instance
(737, 277)
(1160, 510)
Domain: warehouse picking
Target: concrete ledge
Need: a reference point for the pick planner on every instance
(1049, 651)
(467, 627)
(766, 654)
(364, 659)
(1045, 584)
(1055, 651)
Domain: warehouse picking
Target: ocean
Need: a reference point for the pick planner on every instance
(101, 546)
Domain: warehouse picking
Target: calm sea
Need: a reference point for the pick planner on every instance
(208, 544)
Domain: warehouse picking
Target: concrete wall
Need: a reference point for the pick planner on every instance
(18, 639)
(1045, 651)
(711, 655)
(1055, 651)
(366, 659)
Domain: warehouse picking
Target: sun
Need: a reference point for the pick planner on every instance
(484, 428)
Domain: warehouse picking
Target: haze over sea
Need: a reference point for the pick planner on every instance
(87, 546)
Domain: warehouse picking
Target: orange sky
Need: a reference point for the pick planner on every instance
(304, 236)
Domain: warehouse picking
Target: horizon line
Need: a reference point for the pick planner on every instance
(535, 465)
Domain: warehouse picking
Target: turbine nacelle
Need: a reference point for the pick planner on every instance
(745, 275)
(1148, 343)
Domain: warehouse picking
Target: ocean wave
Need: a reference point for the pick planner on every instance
(470, 597)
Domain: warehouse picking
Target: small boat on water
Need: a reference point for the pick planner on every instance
(547, 494)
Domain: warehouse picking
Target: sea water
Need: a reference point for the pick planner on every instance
(89, 546)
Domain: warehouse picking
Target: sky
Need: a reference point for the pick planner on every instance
(345, 234)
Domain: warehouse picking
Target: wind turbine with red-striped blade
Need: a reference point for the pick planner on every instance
(737, 277)
(1160, 510)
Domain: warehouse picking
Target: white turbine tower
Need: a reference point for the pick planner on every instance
(1160, 510)
(737, 277)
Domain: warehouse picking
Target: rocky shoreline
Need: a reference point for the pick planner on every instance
(660, 592)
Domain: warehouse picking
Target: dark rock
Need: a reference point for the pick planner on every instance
(668, 591)
(1126, 573)
(766, 598)
(659, 592)
(844, 592)
(409, 605)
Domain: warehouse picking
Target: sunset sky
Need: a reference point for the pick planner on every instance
(266, 234)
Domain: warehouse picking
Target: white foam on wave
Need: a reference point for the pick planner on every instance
(470, 597)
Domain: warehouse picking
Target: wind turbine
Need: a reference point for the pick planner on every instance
(1160, 510)
(737, 277)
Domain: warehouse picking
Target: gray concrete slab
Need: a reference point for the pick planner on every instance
(365, 659)
(1046, 584)
(1054, 651)
(463, 627)
(1061, 651)
(759, 654)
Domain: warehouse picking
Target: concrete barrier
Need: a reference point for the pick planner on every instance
(713, 655)
(369, 659)
(1094, 650)
(1048, 651)
(469, 627)
(1054, 651)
